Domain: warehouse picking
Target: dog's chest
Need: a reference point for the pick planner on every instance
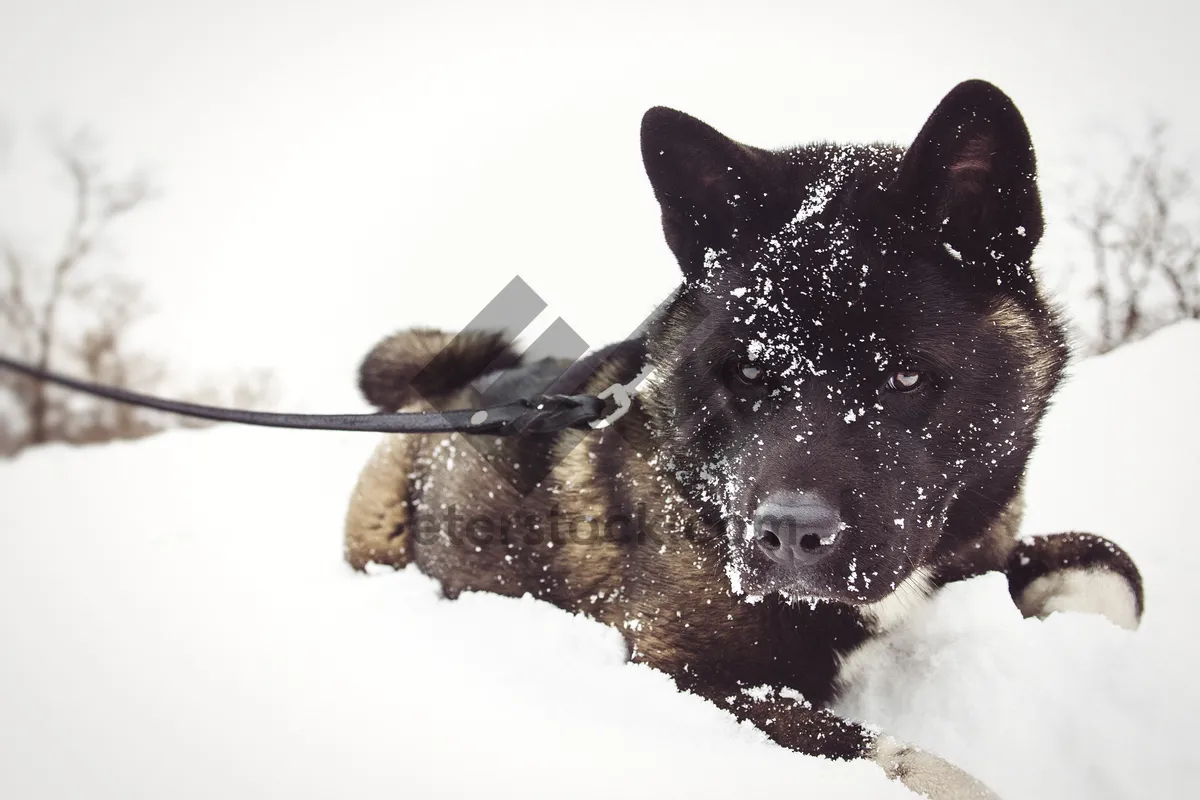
(881, 618)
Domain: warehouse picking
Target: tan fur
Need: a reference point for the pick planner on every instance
(595, 569)
(1001, 537)
(378, 520)
(1042, 362)
(991, 550)
(674, 565)
(925, 773)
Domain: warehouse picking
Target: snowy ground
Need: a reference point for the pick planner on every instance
(176, 622)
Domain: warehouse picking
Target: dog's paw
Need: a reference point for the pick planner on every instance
(926, 774)
(1091, 590)
(1075, 572)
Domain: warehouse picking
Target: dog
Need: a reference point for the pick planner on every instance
(836, 411)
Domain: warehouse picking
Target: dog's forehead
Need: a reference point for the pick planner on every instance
(832, 287)
(823, 288)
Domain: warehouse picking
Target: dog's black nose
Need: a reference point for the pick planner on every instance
(795, 529)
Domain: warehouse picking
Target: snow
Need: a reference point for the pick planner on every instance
(177, 622)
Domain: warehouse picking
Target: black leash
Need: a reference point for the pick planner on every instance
(545, 414)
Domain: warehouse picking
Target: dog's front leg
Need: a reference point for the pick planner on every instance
(1075, 572)
(797, 725)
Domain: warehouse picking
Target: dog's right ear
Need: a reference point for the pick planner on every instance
(706, 183)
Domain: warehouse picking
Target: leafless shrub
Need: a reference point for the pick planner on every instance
(1142, 233)
(57, 312)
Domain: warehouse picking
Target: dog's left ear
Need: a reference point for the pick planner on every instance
(970, 176)
(711, 188)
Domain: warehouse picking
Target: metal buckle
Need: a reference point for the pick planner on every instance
(618, 393)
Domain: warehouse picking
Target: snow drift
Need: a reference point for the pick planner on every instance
(176, 622)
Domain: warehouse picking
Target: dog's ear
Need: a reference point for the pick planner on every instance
(970, 178)
(707, 184)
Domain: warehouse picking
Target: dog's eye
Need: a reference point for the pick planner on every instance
(750, 373)
(745, 378)
(904, 380)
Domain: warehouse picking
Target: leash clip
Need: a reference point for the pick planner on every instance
(621, 397)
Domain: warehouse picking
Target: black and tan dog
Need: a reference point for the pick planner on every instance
(844, 393)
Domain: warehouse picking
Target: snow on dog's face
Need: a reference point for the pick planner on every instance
(849, 382)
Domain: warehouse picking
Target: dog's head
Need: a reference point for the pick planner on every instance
(850, 378)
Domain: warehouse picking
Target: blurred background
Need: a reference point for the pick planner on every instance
(233, 201)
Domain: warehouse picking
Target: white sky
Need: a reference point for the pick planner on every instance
(331, 172)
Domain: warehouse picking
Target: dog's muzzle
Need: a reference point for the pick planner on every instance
(796, 530)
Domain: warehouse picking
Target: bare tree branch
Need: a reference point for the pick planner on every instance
(1143, 246)
(58, 312)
